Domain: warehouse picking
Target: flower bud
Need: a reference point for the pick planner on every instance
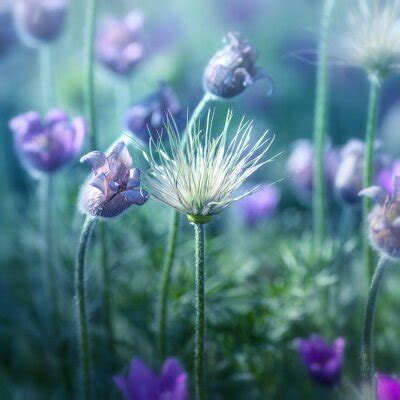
(232, 69)
(114, 186)
(49, 144)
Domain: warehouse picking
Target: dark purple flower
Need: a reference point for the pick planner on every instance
(118, 45)
(7, 31)
(259, 205)
(48, 144)
(323, 362)
(40, 20)
(233, 68)
(387, 388)
(142, 384)
(114, 186)
(146, 118)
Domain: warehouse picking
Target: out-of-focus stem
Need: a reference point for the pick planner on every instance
(46, 78)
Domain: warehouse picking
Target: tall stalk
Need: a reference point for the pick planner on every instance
(320, 126)
(373, 107)
(46, 77)
(80, 293)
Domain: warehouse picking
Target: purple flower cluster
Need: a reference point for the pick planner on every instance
(142, 384)
(48, 144)
(387, 388)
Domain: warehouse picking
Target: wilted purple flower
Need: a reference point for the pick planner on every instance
(142, 384)
(118, 45)
(114, 187)
(49, 144)
(323, 362)
(384, 219)
(300, 167)
(40, 20)
(387, 388)
(233, 68)
(259, 205)
(7, 31)
(146, 118)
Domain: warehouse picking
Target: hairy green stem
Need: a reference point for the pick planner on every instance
(199, 325)
(165, 283)
(373, 107)
(367, 346)
(80, 292)
(320, 127)
(89, 87)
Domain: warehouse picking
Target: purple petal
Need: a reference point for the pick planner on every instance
(55, 116)
(171, 370)
(388, 388)
(143, 384)
(97, 161)
(99, 182)
(136, 196)
(120, 162)
(134, 180)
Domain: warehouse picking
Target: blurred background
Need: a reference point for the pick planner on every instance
(262, 289)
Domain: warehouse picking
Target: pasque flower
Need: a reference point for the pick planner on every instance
(324, 362)
(142, 384)
(200, 178)
(40, 20)
(146, 118)
(47, 144)
(118, 44)
(114, 187)
(233, 68)
(387, 388)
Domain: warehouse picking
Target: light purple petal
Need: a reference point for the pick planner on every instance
(80, 130)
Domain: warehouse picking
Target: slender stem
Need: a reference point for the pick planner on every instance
(320, 126)
(199, 336)
(46, 78)
(367, 348)
(80, 292)
(373, 107)
(165, 283)
(89, 88)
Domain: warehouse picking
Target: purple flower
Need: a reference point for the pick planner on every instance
(259, 205)
(323, 362)
(142, 384)
(118, 45)
(386, 175)
(49, 144)
(387, 388)
(40, 20)
(114, 186)
(146, 118)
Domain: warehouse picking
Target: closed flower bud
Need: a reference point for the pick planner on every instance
(118, 45)
(233, 68)
(40, 20)
(114, 187)
(146, 118)
(384, 219)
(48, 144)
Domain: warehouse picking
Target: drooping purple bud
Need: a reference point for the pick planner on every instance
(40, 20)
(324, 362)
(233, 68)
(387, 388)
(114, 186)
(7, 29)
(142, 384)
(118, 44)
(146, 119)
(48, 144)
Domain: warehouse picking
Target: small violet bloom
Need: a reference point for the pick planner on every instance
(142, 384)
(259, 205)
(118, 45)
(233, 68)
(40, 20)
(324, 362)
(386, 175)
(146, 118)
(114, 186)
(48, 144)
(387, 388)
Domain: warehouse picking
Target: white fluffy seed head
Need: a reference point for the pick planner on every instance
(200, 178)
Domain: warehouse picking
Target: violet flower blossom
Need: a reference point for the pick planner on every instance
(387, 388)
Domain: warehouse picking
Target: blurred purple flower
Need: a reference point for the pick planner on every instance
(259, 205)
(142, 384)
(7, 29)
(146, 118)
(40, 20)
(118, 44)
(323, 362)
(114, 187)
(239, 11)
(385, 177)
(387, 388)
(49, 144)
